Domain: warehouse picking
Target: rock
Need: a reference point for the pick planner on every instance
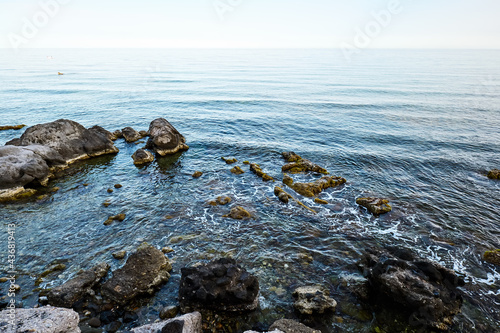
(142, 156)
(188, 323)
(494, 174)
(223, 200)
(246, 162)
(52, 269)
(110, 190)
(313, 300)
(376, 206)
(197, 174)
(167, 249)
(119, 218)
(320, 201)
(104, 132)
(164, 139)
(45, 319)
(255, 168)
(493, 257)
(11, 127)
(116, 135)
(169, 312)
(315, 188)
(422, 290)
(291, 326)
(229, 160)
(281, 194)
(297, 164)
(94, 322)
(106, 203)
(3, 279)
(131, 135)
(75, 289)
(237, 170)
(219, 285)
(145, 271)
(113, 327)
(119, 255)
(238, 213)
(118, 186)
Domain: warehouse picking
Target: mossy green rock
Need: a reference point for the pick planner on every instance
(494, 174)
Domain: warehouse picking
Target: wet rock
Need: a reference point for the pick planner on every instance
(297, 164)
(119, 218)
(169, 312)
(229, 160)
(11, 127)
(50, 270)
(145, 271)
(118, 186)
(494, 174)
(167, 249)
(313, 300)
(188, 323)
(129, 317)
(223, 200)
(255, 168)
(78, 287)
(106, 203)
(238, 213)
(142, 156)
(164, 139)
(291, 326)
(197, 174)
(110, 190)
(143, 133)
(46, 319)
(237, 170)
(116, 135)
(113, 327)
(119, 255)
(315, 188)
(320, 201)
(376, 206)
(131, 135)
(493, 257)
(94, 322)
(246, 162)
(423, 290)
(281, 194)
(219, 285)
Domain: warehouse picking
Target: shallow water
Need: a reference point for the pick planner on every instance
(418, 127)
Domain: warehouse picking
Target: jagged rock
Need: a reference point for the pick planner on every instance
(131, 135)
(291, 326)
(164, 139)
(494, 174)
(229, 160)
(313, 300)
(315, 188)
(219, 285)
(281, 194)
(238, 213)
(493, 257)
(11, 127)
(145, 271)
(46, 319)
(298, 164)
(376, 206)
(188, 323)
(75, 289)
(425, 291)
(142, 156)
(255, 168)
(237, 170)
(197, 174)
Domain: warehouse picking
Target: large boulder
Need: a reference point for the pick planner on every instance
(188, 323)
(144, 272)
(221, 285)
(314, 188)
(40, 320)
(313, 300)
(78, 287)
(164, 139)
(425, 291)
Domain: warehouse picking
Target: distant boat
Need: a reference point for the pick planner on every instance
(59, 73)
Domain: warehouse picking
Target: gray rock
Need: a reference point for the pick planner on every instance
(164, 139)
(291, 326)
(130, 134)
(188, 323)
(145, 271)
(75, 289)
(313, 300)
(142, 156)
(40, 320)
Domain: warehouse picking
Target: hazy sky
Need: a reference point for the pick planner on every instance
(250, 23)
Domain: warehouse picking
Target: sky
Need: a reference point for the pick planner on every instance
(249, 24)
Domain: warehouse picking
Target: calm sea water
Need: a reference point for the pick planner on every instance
(418, 127)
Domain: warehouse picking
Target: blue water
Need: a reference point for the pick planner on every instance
(420, 127)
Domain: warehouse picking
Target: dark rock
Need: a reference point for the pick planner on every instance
(376, 206)
(119, 255)
(145, 271)
(118, 186)
(313, 300)
(75, 289)
(114, 327)
(290, 156)
(229, 160)
(94, 322)
(493, 257)
(11, 127)
(255, 168)
(281, 194)
(426, 291)
(107, 317)
(130, 134)
(142, 156)
(238, 213)
(297, 164)
(169, 312)
(237, 170)
(315, 188)
(223, 200)
(291, 326)
(219, 285)
(119, 218)
(109, 135)
(116, 135)
(129, 317)
(494, 174)
(197, 174)
(174, 326)
(164, 139)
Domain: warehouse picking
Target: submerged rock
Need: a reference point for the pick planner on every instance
(315, 188)
(282, 194)
(188, 323)
(145, 271)
(297, 164)
(119, 254)
(291, 326)
(493, 257)
(494, 174)
(320, 201)
(197, 174)
(313, 300)
(229, 160)
(131, 135)
(237, 170)
(376, 206)
(238, 213)
(221, 285)
(119, 218)
(424, 290)
(164, 139)
(255, 168)
(142, 156)
(11, 127)
(78, 287)
(46, 319)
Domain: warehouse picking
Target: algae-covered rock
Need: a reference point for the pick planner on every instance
(255, 168)
(494, 174)
(315, 188)
(320, 201)
(142, 156)
(229, 160)
(376, 206)
(297, 164)
(164, 139)
(281, 194)
(119, 217)
(237, 170)
(197, 174)
(492, 257)
(238, 213)
(11, 127)
(313, 300)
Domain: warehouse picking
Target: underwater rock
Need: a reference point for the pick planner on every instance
(197, 174)
(164, 139)
(313, 300)
(238, 213)
(237, 170)
(376, 206)
(119, 218)
(297, 164)
(281, 194)
(229, 160)
(255, 168)
(75, 289)
(142, 156)
(223, 200)
(494, 174)
(50, 270)
(493, 257)
(46, 319)
(426, 291)
(291, 326)
(131, 135)
(188, 323)
(116, 135)
(11, 127)
(169, 312)
(221, 285)
(145, 271)
(315, 188)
